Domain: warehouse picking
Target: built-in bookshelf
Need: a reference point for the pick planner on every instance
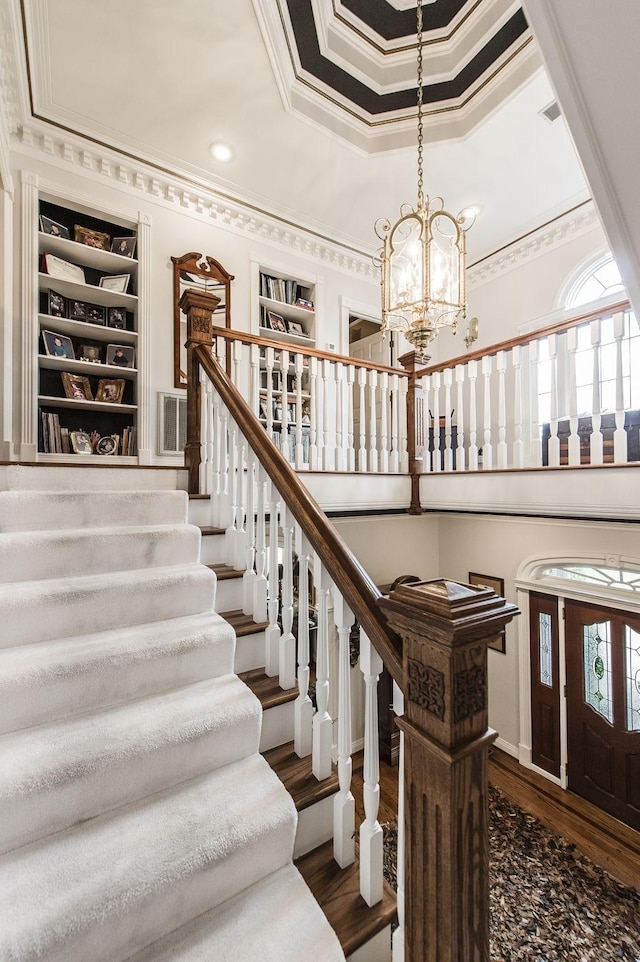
(88, 340)
(287, 307)
(280, 397)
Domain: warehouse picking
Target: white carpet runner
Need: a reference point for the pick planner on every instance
(136, 816)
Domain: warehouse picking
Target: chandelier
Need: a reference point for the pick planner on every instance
(422, 260)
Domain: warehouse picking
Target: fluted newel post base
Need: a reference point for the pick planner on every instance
(199, 308)
(445, 628)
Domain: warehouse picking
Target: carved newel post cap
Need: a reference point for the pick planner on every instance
(412, 361)
(199, 306)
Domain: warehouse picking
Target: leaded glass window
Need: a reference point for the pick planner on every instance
(632, 677)
(601, 575)
(597, 668)
(544, 649)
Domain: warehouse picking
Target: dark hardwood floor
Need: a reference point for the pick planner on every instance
(607, 842)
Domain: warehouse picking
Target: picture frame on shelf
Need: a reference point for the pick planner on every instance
(52, 227)
(115, 282)
(81, 442)
(117, 318)
(63, 270)
(125, 246)
(91, 238)
(110, 390)
(120, 355)
(77, 310)
(304, 303)
(76, 386)
(263, 409)
(58, 345)
(57, 304)
(91, 353)
(499, 643)
(96, 314)
(295, 327)
(276, 322)
(107, 444)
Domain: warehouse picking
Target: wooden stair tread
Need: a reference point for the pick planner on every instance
(243, 624)
(338, 893)
(225, 572)
(296, 775)
(207, 529)
(267, 689)
(199, 497)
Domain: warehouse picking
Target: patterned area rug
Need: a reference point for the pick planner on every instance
(548, 903)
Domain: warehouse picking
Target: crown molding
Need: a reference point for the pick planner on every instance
(168, 188)
(537, 242)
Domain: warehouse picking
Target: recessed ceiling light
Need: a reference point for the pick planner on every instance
(221, 152)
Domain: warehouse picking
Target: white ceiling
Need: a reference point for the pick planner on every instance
(162, 80)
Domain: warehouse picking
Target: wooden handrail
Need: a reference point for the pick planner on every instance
(356, 586)
(523, 339)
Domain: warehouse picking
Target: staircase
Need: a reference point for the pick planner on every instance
(138, 818)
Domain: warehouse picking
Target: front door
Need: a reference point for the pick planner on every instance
(545, 682)
(603, 708)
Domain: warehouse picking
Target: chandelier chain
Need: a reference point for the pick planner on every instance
(419, 92)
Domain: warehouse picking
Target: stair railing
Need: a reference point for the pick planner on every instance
(431, 637)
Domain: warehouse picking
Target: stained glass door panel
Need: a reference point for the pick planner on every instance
(545, 688)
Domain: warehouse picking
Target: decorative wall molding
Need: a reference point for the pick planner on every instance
(171, 190)
(539, 241)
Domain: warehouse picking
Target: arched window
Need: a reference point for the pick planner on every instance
(597, 281)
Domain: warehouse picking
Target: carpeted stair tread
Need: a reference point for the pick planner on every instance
(54, 679)
(224, 572)
(56, 775)
(296, 776)
(338, 894)
(113, 885)
(267, 689)
(242, 624)
(28, 555)
(38, 611)
(43, 510)
(276, 920)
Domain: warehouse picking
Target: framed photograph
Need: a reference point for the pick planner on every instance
(276, 322)
(115, 282)
(295, 327)
(81, 442)
(77, 310)
(91, 353)
(57, 305)
(58, 345)
(108, 444)
(110, 390)
(48, 226)
(497, 584)
(125, 246)
(117, 317)
(121, 355)
(76, 386)
(96, 314)
(92, 238)
(304, 304)
(263, 408)
(63, 270)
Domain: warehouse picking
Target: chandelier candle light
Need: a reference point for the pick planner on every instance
(422, 259)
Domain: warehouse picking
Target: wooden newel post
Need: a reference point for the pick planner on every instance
(416, 443)
(445, 627)
(199, 307)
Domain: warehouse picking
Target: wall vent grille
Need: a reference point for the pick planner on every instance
(551, 112)
(172, 426)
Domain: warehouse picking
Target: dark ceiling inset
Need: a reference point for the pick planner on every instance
(391, 24)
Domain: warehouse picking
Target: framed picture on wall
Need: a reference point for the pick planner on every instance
(499, 643)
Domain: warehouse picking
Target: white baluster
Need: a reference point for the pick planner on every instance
(249, 577)
(344, 806)
(597, 452)
(284, 403)
(322, 725)
(231, 531)
(535, 448)
(473, 417)
(362, 450)
(225, 468)
(260, 583)
(401, 411)
(501, 451)
(218, 454)
(313, 413)
(272, 634)
(287, 653)
(254, 378)
(554, 440)
(269, 363)
(427, 388)
(435, 458)
(384, 422)
(303, 708)
(373, 422)
(487, 446)
(371, 836)
(299, 450)
(236, 356)
(339, 456)
(518, 442)
(619, 435)
(351, 451)
(573, 446)
(397, 939)
(448, 453)
(240, 551)
(327, 450)
(396, 415)
(204, 430)
(460, 451)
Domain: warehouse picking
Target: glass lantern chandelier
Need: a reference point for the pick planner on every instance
(422, 260)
